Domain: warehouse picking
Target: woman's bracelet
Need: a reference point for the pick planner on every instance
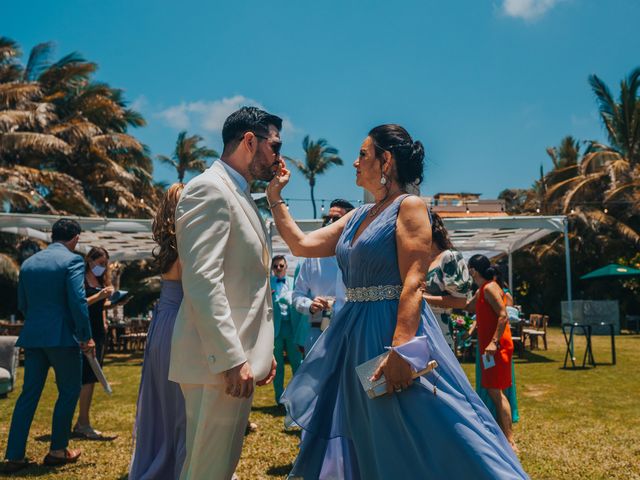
(274, 205)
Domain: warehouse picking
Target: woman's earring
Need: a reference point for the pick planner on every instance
(383, 180)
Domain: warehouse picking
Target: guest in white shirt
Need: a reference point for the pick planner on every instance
(319, 280)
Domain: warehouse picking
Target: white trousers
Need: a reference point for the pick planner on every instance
(216, 424)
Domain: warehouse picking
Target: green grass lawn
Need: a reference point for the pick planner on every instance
(575, 424)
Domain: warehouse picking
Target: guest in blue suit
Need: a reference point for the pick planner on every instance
(285, 330)
(51, 296)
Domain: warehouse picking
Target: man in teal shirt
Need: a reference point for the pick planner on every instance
(52, 297)
(285, 322)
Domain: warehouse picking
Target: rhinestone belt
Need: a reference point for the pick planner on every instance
(374, 294)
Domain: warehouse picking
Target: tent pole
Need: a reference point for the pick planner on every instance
(513, 293)
(567, 259)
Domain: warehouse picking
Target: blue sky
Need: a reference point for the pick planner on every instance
(485, 85)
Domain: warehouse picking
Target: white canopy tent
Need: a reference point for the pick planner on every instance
(124, 239)
(130, 239)
(494, 236)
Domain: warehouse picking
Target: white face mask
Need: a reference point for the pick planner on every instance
(98, 270)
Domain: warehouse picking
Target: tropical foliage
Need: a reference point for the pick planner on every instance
(598, 187)
(188, 156)
(64, 141)
(319, 157)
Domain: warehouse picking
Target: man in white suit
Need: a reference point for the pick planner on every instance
(222, 341)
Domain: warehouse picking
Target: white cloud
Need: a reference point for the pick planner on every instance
(527, 9)
(209, 116)
(139, 104)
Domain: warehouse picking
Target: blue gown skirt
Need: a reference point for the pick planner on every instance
(409, 435)
(160, 425)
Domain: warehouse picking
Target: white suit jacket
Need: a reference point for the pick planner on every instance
(226, 316)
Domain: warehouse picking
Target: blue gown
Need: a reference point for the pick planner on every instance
(161, 422)
(409, 435)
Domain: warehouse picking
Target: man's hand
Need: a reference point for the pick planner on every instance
(317, 304)
(239, 380)
(270, 376)
(88, 347)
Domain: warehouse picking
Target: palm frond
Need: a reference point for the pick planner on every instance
(9, 49)
(583, 185)
(560, 175)
(116, 141)
(167, 161)
(596, 160)
(40, 144)
(21, 187)
(593, 219)
(133, 118)
(38, 61)
(553, 249)
(606, 103)
(76, 131)
(16, 93)
(622, 190)
(300, 166)
(11, 120)
(37, 117)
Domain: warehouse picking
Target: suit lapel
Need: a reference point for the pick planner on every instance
(249, 208)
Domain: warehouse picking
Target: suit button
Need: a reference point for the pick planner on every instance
(212, 358)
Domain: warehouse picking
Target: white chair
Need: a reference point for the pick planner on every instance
(8, 364)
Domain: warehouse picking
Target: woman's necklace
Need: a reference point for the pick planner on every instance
(376, 208)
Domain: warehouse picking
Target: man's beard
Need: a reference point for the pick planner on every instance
(259, 169)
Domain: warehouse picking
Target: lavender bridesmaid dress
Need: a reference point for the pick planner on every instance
(159, 431)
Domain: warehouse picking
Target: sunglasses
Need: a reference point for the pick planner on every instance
(275, 146)
(330, 220)
(279, 266)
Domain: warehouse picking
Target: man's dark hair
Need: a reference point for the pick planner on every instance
(64, 230)
(277, 258)
(247, 119)
(27, 248)
(340, 203)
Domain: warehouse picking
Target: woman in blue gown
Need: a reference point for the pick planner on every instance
(410, 433)
(160, 425)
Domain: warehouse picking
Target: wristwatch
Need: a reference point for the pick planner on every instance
(497, 344)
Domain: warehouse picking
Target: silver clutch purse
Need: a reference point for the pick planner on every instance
(379, 387)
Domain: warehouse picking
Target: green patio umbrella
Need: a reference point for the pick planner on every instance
(612, 270)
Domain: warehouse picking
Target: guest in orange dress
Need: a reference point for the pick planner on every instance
(494, 338)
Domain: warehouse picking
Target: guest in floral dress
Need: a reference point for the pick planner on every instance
(448, 279)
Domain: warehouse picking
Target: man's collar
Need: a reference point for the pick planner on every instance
(238, 179)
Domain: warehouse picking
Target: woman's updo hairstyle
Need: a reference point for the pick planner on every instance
(409, 155)
(482, 265)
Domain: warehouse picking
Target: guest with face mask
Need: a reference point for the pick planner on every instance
(97, 283)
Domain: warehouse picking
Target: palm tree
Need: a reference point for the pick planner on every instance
(621, 119)
(56, 121)
(188, 156)
(319, 156)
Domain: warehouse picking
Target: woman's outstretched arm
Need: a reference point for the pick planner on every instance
(319, 243)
